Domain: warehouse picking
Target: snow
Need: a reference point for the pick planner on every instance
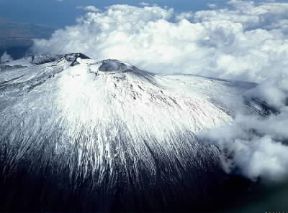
(109, 113)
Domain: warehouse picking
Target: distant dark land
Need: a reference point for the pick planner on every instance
(17, 38)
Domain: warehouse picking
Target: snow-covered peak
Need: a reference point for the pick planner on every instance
(110, 93)
(111, 124)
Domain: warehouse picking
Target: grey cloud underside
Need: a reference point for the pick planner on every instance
(106, 129)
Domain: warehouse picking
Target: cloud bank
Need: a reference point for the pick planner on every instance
(256, 146)
(244, 41)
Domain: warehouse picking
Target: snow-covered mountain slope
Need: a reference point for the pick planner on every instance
(87, 91)
(110, 124)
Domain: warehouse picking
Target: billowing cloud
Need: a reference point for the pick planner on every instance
(255, 145)
(245, 41)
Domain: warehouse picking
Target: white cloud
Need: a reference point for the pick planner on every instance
(255, 145)
(245, 41)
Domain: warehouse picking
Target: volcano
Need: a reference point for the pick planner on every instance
(81, 135)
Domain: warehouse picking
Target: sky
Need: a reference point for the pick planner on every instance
(58, 13)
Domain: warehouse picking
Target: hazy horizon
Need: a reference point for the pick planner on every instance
(60, 13)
